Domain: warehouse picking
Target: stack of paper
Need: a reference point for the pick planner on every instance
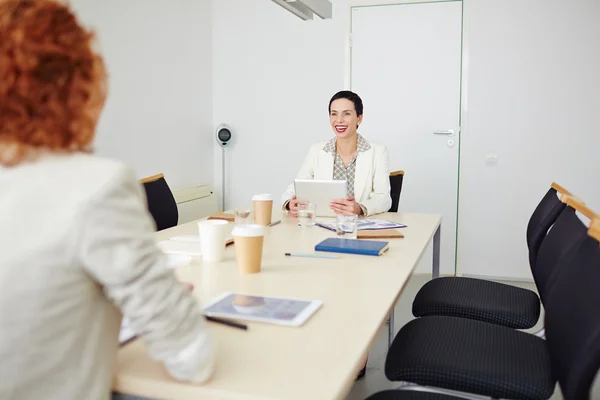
(188, 245)
(367, 224)
(180, 247)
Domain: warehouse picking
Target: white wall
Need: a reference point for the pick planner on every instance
(273, 77)
(531, 86)
(158, 116)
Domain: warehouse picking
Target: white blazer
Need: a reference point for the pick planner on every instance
(372, 175)
(78, 251)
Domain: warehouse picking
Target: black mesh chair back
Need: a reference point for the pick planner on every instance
(396, 179)
(572, 320)
(161, 203)
(541, 220)
(563, 235)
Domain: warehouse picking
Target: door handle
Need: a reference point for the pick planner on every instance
(449, 132)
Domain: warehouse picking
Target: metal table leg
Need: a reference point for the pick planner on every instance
(391, 327)
(435, 272)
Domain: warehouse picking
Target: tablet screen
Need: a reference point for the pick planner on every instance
(270, 309)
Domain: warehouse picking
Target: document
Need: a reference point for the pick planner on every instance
(366, 224)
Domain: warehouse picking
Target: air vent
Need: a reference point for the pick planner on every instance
(306, 9)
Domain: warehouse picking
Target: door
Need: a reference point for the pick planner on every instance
(406, 66)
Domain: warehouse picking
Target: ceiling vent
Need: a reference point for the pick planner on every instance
(306, 9)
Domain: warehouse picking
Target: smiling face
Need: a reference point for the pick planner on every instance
(343, 118)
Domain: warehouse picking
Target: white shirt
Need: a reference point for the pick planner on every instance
(371, 180)
(78, 251)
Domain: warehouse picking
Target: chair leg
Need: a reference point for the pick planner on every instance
(435, 271)
(541, 333)
(391, 328)
(407, 386)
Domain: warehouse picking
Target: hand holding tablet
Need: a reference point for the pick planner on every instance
(321, 193)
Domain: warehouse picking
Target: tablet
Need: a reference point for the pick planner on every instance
(275, 310)
(321, 192)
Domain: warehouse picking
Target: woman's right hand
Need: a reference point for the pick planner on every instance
(293, 206)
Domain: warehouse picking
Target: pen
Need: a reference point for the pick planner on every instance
(325, 227)
(311, 255)
(227, 322)
(275, 223)
(212, 319)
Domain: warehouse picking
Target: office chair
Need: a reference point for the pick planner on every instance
(161, 202)
(554, 247)
(489, 301)
(396, 179)
(543, 217)
(573, 322)
(475, 357)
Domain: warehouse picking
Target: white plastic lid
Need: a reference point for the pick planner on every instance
(262, 197)
(250, 230)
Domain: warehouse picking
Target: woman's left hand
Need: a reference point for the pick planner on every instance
(346, 206)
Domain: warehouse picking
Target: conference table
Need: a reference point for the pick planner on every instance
(319, 360)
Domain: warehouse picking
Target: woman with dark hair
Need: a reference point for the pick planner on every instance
(348, 156)
(78, 248)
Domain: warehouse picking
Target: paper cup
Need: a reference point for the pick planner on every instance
(248, 241)
(212, 239)
(263, 207)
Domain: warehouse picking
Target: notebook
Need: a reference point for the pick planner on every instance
(353, 246)
(222, 215)
(379, 234)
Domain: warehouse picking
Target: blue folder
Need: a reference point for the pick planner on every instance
(353, 246)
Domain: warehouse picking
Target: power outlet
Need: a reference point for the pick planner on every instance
(491, 159)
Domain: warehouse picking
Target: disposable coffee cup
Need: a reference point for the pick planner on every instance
(212, 239)
(248, 242)
(263, 208)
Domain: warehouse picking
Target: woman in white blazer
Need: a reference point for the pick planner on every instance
(78, 247)
(349, 156)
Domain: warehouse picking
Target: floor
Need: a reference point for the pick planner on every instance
(375, 380)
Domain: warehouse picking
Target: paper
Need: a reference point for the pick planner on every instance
(378, 224)
(196, 239)
(186, 245)
(179, 247)
(186, 238)
(177, 260)
(367, 224)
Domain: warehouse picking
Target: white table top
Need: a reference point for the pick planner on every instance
(319, 360)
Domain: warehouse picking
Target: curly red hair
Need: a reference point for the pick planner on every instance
(51, 81)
